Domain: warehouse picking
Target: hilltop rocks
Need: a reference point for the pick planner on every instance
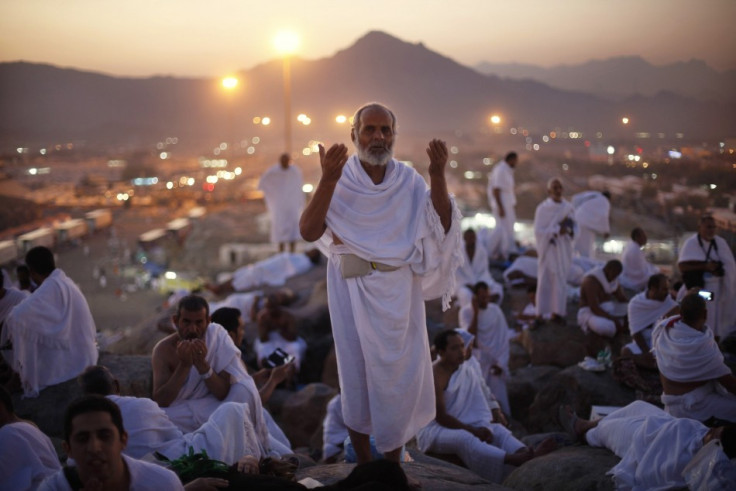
(302, 413)
(552, 344)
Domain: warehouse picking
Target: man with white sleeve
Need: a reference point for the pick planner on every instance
(391, 243)
(591, 215)
(637, 270)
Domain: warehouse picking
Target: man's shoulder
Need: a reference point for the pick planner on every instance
(166, 345)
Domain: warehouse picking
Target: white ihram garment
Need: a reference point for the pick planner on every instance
(466, 402)
(643, 313)
(636, 268)
(555, 256)
(502, 178)
(195, 403)
(12, 297)
(654, 446)
(721, 311)
(378, 320)
(591, 215)
(273, 271)
(282, 190)
(587, 320)
(27, 456)
(334, 431)
(493, 348)
(687, 355)
(471, 272)
(53, 334)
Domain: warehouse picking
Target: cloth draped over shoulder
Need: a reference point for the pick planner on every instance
(591, 211)
(685, 354)
(194, 404)
(395, 223)
(53, 334)
(644, 312)
(547, 220)
(27, 456)
(636, 268)
(282, 190)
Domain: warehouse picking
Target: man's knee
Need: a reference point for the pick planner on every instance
(602, 326)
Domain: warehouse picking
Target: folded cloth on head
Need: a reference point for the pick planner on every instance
(53, 334)
(685, 354)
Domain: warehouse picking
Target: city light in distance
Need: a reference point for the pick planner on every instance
(286, 42)
(229, 83)
(495, 119)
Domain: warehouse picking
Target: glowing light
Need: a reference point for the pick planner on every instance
(487, 161)
(625, 120)
(468, 174)
(229, 83)
(256, 140)
(495, 119)
(163, 155)
(33, 171)
(307, 188)
(265, 121)
(713, 186)
(238, 171)
(286, 42)
(251, 150)
(169, 185)
(453, 164)
(306, 151)
(301, 117)
(257, 120)
(610, 150)
(170, 275)
(454, 150)
(190, 181)
(341, 119)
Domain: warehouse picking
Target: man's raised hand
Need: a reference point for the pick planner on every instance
(332, 162)
(437, 152)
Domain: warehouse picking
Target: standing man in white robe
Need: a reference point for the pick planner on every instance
(696, 383)
(282, 189)
(475, 269)
(637, 270)
(553, 231)
(391, 243)
(52, 330)
(706, 262)
(592, 209)
(9, 298)
(502, 199)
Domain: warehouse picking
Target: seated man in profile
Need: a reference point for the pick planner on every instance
(277, 329)
(637, 270)
(228, 435)
(473, 270)
(597, 316)
(645, 309)
(659, 451)
(52, 330)
(198, 367)
(463, 424)
(697, 383)
(27, 456)
(95, 438)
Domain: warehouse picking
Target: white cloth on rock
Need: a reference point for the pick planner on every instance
(273, 271)
(466, 402)
(195, 403)
(722, 310)
(378, 320)
(27, 456)
(592, 209)
(643, 314)
(502, 178)
(473, 271)
(555, 256)
(493, 348)
(334, 431)
(282, 190)
(636, 269)
(685, 355)
(53, 334)
(144, 476)
(654, 446)
(227, 435)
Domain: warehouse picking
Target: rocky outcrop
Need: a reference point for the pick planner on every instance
(553, 344)
(302, 413)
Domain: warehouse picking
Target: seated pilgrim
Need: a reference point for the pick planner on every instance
(473, 270)
(637, 270)
(697, 383)
(273, 271)
(659, 451)
(645, 309)
(52, 330)
(277, 329)
(227, 435)
(463, 424)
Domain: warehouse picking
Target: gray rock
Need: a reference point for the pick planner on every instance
(522, 388)
(302, 413)
(553, 344)
(567, 469)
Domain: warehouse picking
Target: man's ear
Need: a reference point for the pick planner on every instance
(352, 134)
(124, 439)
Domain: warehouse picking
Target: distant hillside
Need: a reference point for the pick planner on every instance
(622, 77)
(429, 92)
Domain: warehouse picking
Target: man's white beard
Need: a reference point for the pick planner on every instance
(381, 158)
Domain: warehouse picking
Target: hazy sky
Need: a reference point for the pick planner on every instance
(214, 37)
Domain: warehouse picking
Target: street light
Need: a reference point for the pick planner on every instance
(230, 83)
(286, 44)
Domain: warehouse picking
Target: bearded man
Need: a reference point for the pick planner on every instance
(392, 243)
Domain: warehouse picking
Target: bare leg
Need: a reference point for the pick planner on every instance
(393, 455)
(362, 445)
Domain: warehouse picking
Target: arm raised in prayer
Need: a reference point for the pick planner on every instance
(437, 152)
(443, 418)
(312, 223)
(217, 383)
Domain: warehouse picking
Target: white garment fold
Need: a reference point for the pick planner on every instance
(555, 256)
(378, 320)
(194, 403)
(272, 271)
(644, 312)
(334, 431)
(636, 269)
(53, 334)
(27, 456)
(502, 178)
(282, 190)
(473, 271)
